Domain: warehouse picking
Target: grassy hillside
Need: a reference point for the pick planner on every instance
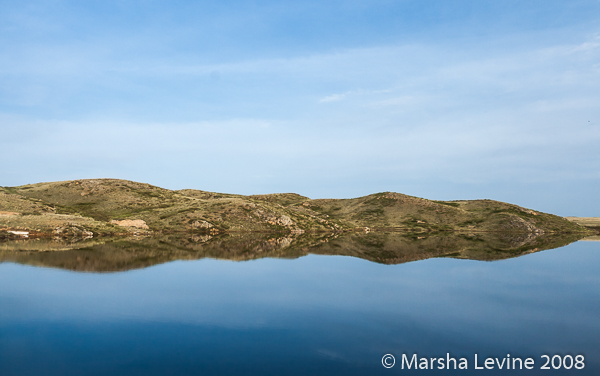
(111, 206)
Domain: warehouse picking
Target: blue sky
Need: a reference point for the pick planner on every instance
(437, 99)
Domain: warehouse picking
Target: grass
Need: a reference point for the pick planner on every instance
(453, 204)
(472, 222)
(180, 211)
(369, 213)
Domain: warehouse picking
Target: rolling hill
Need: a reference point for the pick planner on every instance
(111, 207)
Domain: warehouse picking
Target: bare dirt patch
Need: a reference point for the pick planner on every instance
(6, 213)
(137, 223)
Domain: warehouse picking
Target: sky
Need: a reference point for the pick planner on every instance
(445, 100)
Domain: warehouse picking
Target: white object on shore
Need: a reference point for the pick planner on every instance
(24, 234)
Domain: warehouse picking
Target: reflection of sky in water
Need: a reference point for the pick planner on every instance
(316, 314)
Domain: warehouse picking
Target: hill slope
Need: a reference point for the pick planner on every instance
(111, 206)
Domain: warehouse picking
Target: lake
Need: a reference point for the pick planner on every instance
(298, 305)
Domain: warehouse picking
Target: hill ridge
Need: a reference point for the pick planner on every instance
(115, 206)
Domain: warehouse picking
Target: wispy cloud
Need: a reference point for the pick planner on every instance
(359, 92)
(334, 97)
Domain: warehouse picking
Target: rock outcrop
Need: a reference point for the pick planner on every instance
(137, 223)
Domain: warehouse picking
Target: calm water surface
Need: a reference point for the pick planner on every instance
(313, 315)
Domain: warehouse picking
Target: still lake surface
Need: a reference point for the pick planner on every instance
(307, 313)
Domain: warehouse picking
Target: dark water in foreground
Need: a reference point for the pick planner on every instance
(320, 314)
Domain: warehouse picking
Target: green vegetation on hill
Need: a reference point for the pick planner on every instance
(111, 206)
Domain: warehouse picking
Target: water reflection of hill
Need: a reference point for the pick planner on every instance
(120, 254)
